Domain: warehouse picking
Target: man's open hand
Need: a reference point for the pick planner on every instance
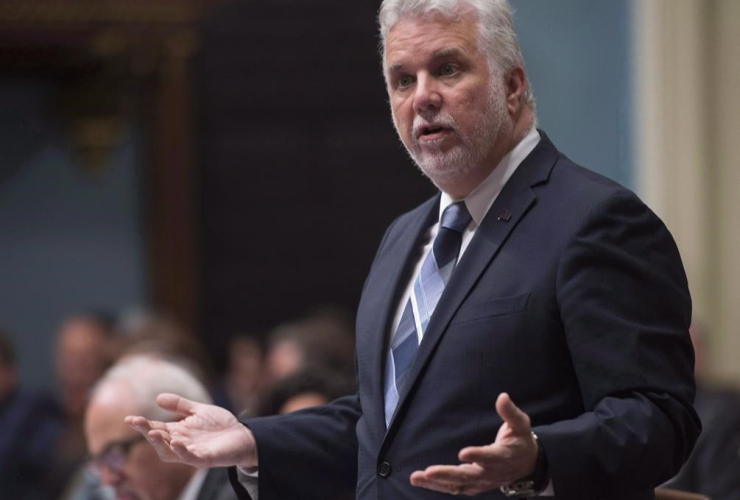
(207, 436)
(512, 456)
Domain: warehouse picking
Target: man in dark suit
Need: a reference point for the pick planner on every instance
(527, 279)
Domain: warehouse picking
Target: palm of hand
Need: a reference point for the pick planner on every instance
(515, 451)
(510, 457)
(207, 436)
(211, 437)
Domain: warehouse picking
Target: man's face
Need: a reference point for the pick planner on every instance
(81, 358)
(448, 106)
(8, 380)
(124, 460)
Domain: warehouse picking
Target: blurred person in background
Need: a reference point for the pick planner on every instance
(29, 425)
(141, 334)
(335, 336)
(304, 390)
(85, 348)
(307, 389)
(158, 334)
(239, 388)
(713, 469)
(711, 396)
(286, 352)
(324, 339)
(122, 457)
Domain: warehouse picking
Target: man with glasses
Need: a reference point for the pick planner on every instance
(122, 457)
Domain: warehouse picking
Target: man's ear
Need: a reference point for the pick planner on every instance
(516, 85)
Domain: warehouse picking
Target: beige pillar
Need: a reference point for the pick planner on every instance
(687, 116)
(725, 81)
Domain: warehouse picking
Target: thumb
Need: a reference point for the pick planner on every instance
(175, 403)
(517, 420)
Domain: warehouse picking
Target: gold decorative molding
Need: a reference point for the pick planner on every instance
(94, 138)
(117, 43)
(115, 61)
(181, 45)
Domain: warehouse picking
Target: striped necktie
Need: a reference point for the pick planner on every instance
(428, 287)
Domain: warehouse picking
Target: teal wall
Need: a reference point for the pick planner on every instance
(68, 241)
(578, 56)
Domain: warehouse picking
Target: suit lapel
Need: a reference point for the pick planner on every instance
(510, 207)
(391, 272)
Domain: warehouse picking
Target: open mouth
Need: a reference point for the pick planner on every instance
(432, 132)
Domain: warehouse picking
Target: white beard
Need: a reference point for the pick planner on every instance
(492, 123)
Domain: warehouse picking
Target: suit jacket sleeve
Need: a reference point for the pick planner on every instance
(309, 454)
(625, 309)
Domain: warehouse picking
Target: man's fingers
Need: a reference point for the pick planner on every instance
(143, 425)
(463, 479)
(455, 474)
(420, 480)
(517, 420)
(138, 423)
(179, 448)
(160, 441)
(189, 456)
(172, 450)
(487, 455)
(159, 437)
(175, 403)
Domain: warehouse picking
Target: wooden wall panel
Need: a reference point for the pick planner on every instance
(301, 168)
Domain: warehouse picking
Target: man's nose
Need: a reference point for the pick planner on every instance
(427, 94)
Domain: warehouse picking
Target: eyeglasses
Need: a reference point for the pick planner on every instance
(114, 456)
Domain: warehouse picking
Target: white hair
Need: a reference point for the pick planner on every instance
(497, 38)
(148, 376)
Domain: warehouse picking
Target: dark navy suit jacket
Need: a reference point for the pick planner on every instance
(30, 425)
(571, 297)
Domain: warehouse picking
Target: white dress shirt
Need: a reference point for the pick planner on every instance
(478, 202)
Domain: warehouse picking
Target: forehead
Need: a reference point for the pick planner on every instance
(104, 418)
(411, 40)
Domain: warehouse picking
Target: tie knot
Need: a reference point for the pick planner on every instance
(456, 217)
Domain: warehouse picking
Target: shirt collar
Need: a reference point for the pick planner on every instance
(192, 489)
(482, 197)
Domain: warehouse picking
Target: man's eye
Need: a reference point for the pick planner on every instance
(404, 81)
(448, 70)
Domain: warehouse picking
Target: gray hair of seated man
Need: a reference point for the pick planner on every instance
(148, 376)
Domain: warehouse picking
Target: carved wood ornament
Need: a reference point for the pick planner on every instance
(119, 61)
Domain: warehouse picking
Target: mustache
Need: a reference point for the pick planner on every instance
(439, 121)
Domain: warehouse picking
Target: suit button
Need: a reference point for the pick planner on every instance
(384, 469)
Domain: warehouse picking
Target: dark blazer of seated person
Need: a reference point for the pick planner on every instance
(713, 469)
